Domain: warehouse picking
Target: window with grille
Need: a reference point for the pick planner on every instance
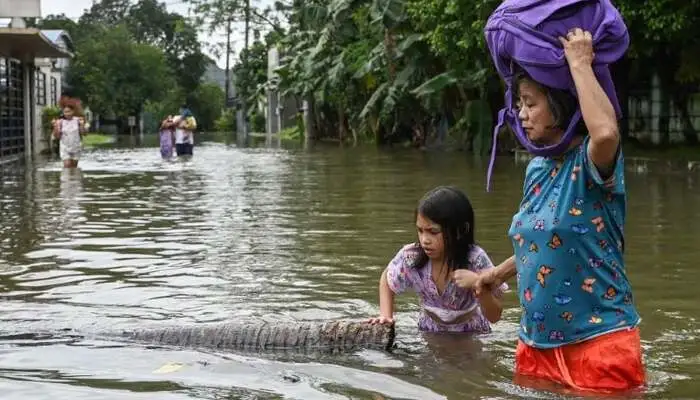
(40, 79)
(54, 91)
(11, 108)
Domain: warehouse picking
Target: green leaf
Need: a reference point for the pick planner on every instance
(435, 85)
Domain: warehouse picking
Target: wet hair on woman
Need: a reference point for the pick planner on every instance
(562, 103)
(450, 208)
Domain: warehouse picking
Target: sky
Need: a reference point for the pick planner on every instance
(75, 8)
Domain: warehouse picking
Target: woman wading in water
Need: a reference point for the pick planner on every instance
(579, 322)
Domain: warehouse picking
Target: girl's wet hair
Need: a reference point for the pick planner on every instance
(450, 208)
(562, 103)
(72, 103)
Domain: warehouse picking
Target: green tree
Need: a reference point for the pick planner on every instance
(207, 104)
(114, 74)
(250, 78)
(60, 22)
(148, 21)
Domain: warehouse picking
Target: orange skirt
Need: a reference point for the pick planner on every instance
(608, 363)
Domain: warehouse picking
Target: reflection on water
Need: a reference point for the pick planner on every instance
(132, 240)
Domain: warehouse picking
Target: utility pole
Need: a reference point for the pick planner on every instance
(228, 61)
(245, 61)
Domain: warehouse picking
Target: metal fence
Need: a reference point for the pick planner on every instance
(649, 110)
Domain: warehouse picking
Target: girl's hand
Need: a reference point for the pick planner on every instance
(578, 48)
(56, 128)
(465, 278)
(381, 320)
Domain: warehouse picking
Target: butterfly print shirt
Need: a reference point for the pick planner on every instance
(453, 302)
(568, 244)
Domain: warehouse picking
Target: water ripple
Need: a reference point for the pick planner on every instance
(131, 240)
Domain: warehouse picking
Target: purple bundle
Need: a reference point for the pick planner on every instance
(526, 32)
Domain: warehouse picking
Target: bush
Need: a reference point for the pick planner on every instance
(48, 114)
(291, 133)
(257, 122)
(227, 121)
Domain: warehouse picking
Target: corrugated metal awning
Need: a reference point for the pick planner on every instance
(26, 44)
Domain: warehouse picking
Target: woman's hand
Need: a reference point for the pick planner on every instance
(578, 47)
(465, 278)
(381, 320)
(487, 279)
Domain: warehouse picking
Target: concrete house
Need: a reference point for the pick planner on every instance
(20, 83)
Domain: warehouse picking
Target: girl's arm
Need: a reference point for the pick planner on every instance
(56, 128)
(386, 303)
(81, 126)
(490, 306)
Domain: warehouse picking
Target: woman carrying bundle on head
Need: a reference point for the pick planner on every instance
(185, 125)
(579, 325)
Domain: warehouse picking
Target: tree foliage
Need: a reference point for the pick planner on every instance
(115, 75)
(135, 55)
(397, 70)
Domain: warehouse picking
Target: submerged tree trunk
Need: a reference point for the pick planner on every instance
(307, 108)
(342, 126)
(335, 336)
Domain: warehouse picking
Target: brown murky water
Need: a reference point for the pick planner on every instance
(132, 240)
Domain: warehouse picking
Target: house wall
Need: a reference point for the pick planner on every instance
(47, 91)
(25, 89)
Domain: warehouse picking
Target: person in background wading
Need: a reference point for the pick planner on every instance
(69, 130)
(185, 125)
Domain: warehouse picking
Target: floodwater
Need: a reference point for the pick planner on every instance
(130, 240)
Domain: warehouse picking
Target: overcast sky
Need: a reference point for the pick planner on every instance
(75, 8)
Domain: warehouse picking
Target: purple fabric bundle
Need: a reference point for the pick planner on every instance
(525, 32)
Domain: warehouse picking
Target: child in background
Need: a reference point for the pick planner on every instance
(166, 137)
(69, 131)
(442, 268)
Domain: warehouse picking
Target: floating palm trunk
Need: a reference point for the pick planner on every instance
(332, 337)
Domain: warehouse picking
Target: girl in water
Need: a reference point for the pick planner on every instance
(69, 130)
(442, 268)
(166, 137)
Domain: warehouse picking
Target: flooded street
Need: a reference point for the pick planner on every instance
(130, 240)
